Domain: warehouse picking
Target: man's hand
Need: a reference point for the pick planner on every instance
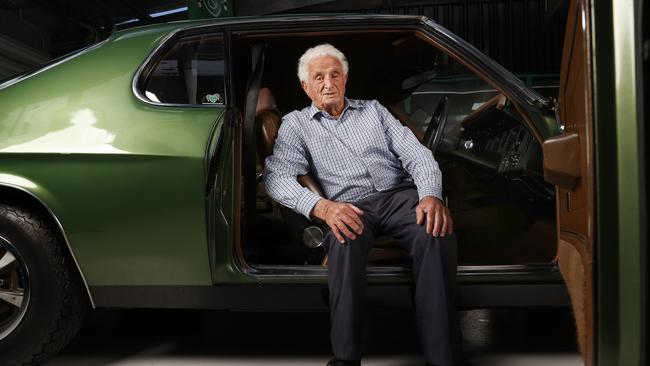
(435, 216)
(342, 218)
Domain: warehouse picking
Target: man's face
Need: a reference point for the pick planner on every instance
(325, 83)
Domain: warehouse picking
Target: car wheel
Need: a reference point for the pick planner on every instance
(40, 305)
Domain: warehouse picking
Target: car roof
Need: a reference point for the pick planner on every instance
(278, 21)
(274, 19)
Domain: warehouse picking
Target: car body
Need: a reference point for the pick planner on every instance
(134, 161)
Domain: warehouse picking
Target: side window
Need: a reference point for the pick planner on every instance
(190, 72)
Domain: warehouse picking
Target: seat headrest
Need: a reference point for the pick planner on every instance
(265, 100)
(267, 124)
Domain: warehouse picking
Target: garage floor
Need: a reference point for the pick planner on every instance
(504, 337)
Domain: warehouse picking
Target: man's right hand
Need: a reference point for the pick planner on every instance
(342, 218)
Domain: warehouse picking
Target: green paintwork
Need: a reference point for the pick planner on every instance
(620, 281)
(125, 179)
(626, 60)
(621, 296)
(605, 176)
(225, 269)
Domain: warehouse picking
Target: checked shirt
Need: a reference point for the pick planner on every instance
(365, 151)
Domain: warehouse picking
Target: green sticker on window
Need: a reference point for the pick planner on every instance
(213, 98)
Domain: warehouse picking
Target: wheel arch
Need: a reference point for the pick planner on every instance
(15, 195)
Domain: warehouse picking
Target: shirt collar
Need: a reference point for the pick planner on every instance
(349, 103)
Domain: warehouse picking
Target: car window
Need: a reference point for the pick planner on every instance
(466, 92)
(190, 72)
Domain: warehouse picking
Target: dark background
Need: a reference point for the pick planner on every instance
(525, 36)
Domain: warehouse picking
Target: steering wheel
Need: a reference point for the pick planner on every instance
(433, 135)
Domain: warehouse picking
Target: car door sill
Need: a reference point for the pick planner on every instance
(260, 270)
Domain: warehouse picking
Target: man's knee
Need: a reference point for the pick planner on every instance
(358, 246)
(424, 241)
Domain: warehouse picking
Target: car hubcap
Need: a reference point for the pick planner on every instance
(14, 288)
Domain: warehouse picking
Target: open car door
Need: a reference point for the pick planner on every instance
(569, 164)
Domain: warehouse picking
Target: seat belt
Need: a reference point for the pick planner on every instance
(252, 91)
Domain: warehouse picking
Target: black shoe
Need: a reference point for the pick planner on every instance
(337, 362)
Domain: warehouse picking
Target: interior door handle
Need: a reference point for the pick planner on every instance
(562, 160)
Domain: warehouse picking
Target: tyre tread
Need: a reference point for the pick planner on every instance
(70, 315)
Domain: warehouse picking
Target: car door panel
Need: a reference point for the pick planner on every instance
(574, 177)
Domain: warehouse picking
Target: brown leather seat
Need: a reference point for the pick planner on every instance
(267, 121)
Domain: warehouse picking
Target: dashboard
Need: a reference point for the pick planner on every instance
(500, 148)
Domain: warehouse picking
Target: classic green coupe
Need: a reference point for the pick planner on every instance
(130, 173)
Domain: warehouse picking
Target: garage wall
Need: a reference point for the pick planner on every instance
(22, 44)
(523, 36)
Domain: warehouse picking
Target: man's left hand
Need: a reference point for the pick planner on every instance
(436, 217)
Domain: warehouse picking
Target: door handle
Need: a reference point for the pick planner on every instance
(562, 160)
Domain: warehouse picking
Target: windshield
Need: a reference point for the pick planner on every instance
(469, 52)
(465, 92)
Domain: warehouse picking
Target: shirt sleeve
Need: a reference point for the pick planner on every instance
(281, 170)
(416, 159)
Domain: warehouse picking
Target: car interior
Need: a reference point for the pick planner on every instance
(491, 162)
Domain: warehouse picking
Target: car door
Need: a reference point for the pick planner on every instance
(569, 164)
(156, 225)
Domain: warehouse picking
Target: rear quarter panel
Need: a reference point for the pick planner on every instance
(125, 179)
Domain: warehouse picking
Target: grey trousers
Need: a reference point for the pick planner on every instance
(434, 273)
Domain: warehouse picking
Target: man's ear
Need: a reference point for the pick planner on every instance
(304, 86)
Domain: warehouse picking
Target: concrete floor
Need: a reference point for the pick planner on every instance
(503, 337)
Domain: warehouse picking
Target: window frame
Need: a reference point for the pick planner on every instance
(154, 57)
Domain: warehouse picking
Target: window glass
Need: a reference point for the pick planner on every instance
(191, 72)
(465, 92)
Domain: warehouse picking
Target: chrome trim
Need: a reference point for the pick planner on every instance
(65, 238)
(558, 120)
(458, 45)
(27, 290)
(63, 59)
(263, 271)
(308, 19)
(149, 59)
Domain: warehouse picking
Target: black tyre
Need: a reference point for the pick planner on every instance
(40, 301)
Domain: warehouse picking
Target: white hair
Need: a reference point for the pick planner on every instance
(321, 50)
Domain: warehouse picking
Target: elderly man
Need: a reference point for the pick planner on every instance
(377, 179)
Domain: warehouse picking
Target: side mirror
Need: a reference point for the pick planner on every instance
(562, 160)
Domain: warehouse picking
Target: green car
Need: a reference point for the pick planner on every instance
(130, 173)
